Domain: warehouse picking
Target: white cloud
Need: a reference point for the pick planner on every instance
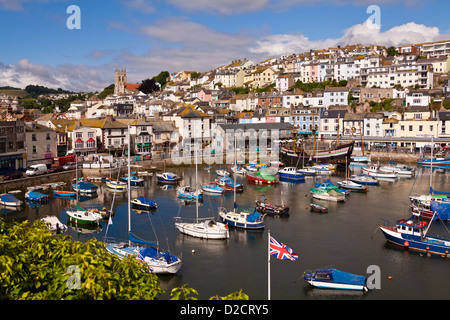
(365, 33)
(65, 76)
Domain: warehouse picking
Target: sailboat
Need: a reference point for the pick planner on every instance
(158, 261)
(351, 185)
(206, 228)
(241, 219)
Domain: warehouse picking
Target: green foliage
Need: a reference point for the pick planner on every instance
(162, 77)
(38, 90)
(391, 51)
(240, 90)
(310, 86)
(107, 91)
(446, 104)
(34, 265)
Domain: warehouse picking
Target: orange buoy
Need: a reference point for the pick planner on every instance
(390, 278)
(406, 244)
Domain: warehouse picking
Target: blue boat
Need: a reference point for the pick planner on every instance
(242, 219)
(167, 177)
(10, 200)
(291, 174)
(412, 233)
(213, 188)
(134, 180)
(330, 278)
(85, 187)
(144, 203)
(434, 161)
(190, 193)
(35, 196)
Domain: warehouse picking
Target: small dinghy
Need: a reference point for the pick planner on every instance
(318, 208)
(330, 278)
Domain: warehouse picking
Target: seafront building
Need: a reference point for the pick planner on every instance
(355, 91)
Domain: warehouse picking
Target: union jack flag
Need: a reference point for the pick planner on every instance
(281, 251)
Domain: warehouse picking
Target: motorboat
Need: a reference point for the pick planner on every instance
(144, 203)
(167, 177)
(331, 278)
(213, 188)
(190, 193)
(242, 219)
(291, 174)
(9, 200)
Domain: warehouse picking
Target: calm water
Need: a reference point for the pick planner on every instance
(346, 238)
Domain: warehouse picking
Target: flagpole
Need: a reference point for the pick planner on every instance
(268, 265)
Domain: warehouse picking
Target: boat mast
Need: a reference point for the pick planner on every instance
(129, 189)
(234, 184)
(196, 183)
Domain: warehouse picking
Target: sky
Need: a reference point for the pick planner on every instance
(150, 36)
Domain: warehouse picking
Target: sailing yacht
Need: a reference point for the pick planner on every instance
(206, 228)
(158, 261)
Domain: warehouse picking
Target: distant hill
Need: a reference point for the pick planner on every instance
(13, 92)
(37, 90)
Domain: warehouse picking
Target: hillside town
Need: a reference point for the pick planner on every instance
(371, 93)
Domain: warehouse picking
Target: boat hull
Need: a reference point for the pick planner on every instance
(200, 230)
(429, 244)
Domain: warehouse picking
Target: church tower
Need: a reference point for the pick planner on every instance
(120, 78)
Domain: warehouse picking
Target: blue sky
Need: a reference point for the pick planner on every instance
(149, 36)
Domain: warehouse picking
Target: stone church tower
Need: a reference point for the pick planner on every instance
(120, 79)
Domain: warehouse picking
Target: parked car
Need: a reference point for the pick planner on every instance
(13, 175)
(69, 166)
(36, 169)
(55, 169)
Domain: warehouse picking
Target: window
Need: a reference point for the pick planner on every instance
(33, 137)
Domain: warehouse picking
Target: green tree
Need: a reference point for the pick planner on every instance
(162, 77)
(107, 91)
(391, 51)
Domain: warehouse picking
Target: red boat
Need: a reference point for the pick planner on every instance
(318, 208)
(261, 178)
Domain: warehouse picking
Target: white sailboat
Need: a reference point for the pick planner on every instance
(206, 228)
(158, 261)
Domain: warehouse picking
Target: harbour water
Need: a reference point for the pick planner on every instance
(345, 238)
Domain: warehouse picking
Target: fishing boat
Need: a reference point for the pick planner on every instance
(158, 261)
(229, 185)
(167, 177)
(117, 185)
(261, 177)
(329, 193)
(190, 193)
(291, 174)
(135, 181)
(331, 278)
(364, 179)
(144, 203)
(318, 208)
(53, 224)
(9, 200)
(412, 234)
(242, 219)
(64, 194)
(35, 196)
(271, 209)
(213, 188)
(85, 187)
(421, 204)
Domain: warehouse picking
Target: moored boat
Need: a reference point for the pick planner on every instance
(291, 174)
(352, 186)
(261, 177)
(213, 188)
(242, 219)
(364, 179)
(190, 193)
(271, 209)
(167, 177)
(229, 185)
(144, 203)
(35, 196)
(85, 187)
(64, 193)
(318, 208)
(9, 200)
(331, 278)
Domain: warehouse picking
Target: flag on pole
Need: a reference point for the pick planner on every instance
(281, 251)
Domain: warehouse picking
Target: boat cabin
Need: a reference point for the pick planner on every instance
(410, 227)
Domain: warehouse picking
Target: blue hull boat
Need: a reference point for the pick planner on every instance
(330, 278)
(434, 162)
(189, 193)
(144, 203)
(35, 196)
(291, 174)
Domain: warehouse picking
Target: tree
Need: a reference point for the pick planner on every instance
(162, 77)
(148, 86)
(36, 265)
(391, 51)
(107, 91)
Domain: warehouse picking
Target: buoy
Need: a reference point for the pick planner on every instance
(390, 278)
(193, 251)
(406, 244)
